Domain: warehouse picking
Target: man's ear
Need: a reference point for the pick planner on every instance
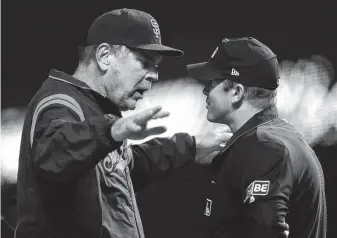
(237, 93)
(103, 52)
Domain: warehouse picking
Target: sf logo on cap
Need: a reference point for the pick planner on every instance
(155, 25)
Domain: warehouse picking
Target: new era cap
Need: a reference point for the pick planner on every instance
(129, 27)
(243, 60)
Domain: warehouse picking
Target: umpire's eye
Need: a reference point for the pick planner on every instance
(210, 85)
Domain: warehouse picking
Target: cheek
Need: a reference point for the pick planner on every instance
(215, 98)
(219, 101)
(131, 77)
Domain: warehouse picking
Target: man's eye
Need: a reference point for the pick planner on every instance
(143, 63)
(146, 64)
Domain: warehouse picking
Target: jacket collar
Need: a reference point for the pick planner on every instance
(61, 76)
(263, 117)
(99, 98)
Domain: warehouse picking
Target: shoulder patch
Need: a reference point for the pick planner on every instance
(257, 188)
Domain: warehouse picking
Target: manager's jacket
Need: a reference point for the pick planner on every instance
(74, 180)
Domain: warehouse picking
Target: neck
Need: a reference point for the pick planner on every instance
(240, 116)
(87, 75)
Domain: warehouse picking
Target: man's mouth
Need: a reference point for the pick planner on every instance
(139, 93)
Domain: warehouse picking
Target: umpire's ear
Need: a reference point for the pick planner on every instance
(103, 52)
(237, 93)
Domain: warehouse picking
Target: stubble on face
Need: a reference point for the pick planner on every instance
(128, 79)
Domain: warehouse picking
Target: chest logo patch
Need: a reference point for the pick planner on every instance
(116, 160)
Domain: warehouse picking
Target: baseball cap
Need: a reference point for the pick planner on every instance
(129, 27)
(243, 60)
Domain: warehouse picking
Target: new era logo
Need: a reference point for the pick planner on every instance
(234, 72)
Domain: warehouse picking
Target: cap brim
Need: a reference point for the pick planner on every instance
(164, 50)
(203, 71)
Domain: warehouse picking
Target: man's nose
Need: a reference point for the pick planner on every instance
(152, 76)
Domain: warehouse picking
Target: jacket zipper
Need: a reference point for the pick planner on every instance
(133, 198)
(100, 197)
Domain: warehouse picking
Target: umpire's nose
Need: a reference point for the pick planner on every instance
(206, 89)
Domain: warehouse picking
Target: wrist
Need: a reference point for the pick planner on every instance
(111, 129)
(113, 135)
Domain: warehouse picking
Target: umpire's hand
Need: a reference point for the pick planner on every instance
(211, 143)
(135, 127)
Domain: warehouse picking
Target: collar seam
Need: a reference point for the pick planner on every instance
(245, 132)
(65, 81)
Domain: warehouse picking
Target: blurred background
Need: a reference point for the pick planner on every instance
(36, 37)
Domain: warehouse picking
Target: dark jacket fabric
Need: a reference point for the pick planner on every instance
(74, 180)
(268, 183)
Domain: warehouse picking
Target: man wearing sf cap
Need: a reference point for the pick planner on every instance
(267, 181)
(75, 167)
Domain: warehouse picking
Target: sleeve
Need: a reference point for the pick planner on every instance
(64, 147)
(159, 157)
(264, 180)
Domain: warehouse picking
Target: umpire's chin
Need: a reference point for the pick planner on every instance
(215, 116)
(210, 116)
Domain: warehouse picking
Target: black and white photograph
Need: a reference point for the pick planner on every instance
(149, 119)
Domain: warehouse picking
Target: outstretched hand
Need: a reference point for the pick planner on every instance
(135, 127)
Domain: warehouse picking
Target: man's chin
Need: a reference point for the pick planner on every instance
(130, 105)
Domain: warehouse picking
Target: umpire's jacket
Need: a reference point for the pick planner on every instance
(73, 179)
(267, 183)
